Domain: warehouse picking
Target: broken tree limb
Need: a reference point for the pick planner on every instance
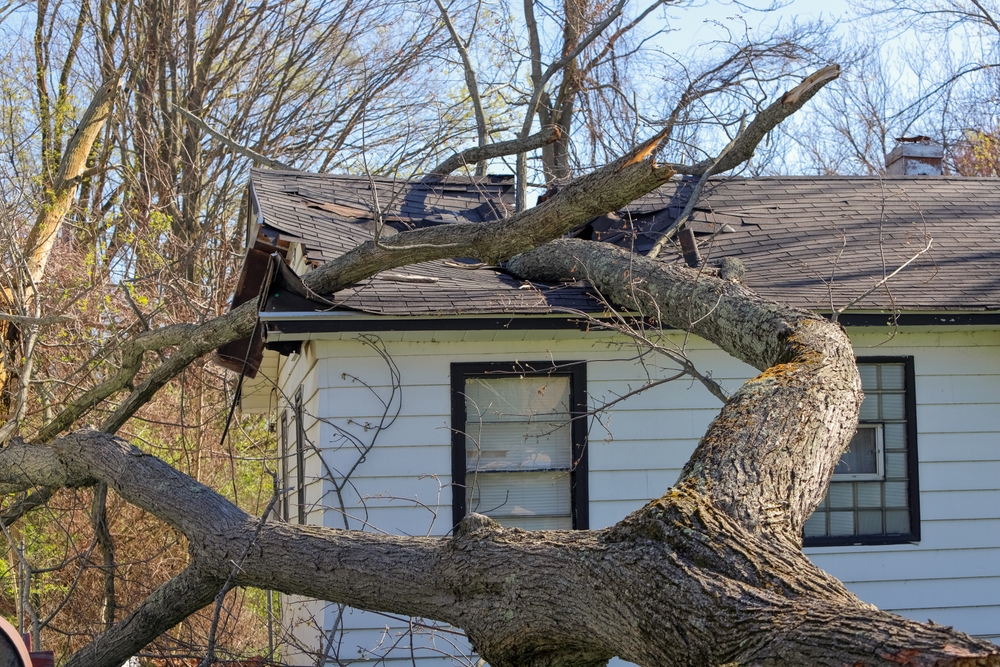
(62, 192)
(765, 121)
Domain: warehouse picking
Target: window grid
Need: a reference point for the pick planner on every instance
(877, 511)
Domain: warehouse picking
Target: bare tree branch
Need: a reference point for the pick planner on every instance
(500, 149)
(231, 143)
(470, 83)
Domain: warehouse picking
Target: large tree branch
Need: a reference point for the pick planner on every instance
(768, 457)
(585, 198)
(38, 245)
(677, 582)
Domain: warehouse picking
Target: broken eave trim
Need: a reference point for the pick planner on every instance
(333, 321)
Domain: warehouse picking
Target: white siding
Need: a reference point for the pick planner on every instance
(637, 448)
(259, 394)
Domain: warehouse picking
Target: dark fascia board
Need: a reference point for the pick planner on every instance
(310, 323)
(980, 318)
(389, 323)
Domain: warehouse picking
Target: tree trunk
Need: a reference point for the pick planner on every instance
(711, 573)
(38, 245)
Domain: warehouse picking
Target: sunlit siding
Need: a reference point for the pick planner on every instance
(401, 474)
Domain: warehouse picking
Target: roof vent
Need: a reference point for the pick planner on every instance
(914, 156)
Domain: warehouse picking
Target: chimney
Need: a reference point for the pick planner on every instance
(914, 156)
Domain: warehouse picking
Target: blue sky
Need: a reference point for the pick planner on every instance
(700, 23)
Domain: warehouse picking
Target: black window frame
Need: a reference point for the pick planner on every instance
(579, 471)
(912, 467)
(300, 457)
(284, 453)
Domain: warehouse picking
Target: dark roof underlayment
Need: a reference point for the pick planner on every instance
(813, 242)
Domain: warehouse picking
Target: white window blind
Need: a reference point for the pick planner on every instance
(519, 450)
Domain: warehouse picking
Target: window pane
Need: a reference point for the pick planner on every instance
(869, 408)
(892, 406)
(897, 521)
(869, 376)
(895, 465)
(870, 494)
(862, 457)
(895, 494)
(815, 525)
(842, 523)
(506, 494)
(895, 436)
(892, 376)
(870, 522)
(516, 399)
(841, 495)
(518, 446)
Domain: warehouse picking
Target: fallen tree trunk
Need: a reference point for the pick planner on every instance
(711, 573)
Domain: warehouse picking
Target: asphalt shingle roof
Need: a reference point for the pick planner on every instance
(814, 242)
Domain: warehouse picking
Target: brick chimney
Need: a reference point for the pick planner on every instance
(914, 156)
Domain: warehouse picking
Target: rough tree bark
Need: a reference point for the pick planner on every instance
(712, 573)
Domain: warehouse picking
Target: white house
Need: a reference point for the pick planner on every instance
(407, 400)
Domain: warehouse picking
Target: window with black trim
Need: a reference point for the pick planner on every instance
(300, 455)
(519, 443)
(873, 496)
(283, 444)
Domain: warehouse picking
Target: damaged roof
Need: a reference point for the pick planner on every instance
(813, 242)
(330, 215)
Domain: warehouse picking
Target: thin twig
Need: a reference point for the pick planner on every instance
(884, 280)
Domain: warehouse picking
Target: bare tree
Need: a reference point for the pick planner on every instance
(714, 568)
(937, 76)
